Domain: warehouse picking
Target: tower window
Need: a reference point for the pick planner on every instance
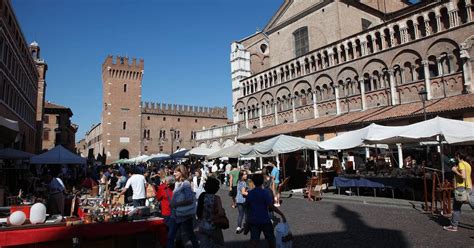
(179, 119)
(301, 41)
(148, 117)
(125, 88)
(124, 125)
(164, 118)
(195, 120)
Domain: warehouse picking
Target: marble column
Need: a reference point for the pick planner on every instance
(427, 26)
(246, 118)
(393, 89)
(438, 23)
(293, 109)
(467, 71)
(275, 104)
(426, 71)
(346, 50)
(362, 93)
(338, 104)
(315, 105)
(260, 118)
(439, 63)
(417, 32)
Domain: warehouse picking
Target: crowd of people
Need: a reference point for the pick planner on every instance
(187, 196)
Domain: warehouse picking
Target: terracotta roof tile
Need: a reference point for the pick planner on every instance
(386, 113)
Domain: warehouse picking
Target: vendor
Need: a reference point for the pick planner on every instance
(138, 184)
(56, 192)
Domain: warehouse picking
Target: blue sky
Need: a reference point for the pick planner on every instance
(185, 44)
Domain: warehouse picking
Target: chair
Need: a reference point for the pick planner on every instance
(314, 190)
(283, 186)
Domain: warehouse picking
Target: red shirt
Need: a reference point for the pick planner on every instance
(163, 197)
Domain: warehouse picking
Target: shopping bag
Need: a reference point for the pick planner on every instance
(284, 238)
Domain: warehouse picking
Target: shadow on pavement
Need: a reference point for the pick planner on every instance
(356, 234)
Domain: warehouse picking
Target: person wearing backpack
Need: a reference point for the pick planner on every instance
(210, 216)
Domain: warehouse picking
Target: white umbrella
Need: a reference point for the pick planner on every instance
(233, 151)
(283, 144)
(200, 151)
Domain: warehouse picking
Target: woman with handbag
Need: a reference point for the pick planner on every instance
(211, 216)
(240, 199)
(462, 188)
(183, 208)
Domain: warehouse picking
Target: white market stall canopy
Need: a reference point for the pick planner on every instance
(282, 144)
(452, 131)
(234, 151)
(200, 151)
(58, 155)
(158, 157)
(356, 138)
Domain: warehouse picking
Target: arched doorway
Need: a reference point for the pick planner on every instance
(123, 154)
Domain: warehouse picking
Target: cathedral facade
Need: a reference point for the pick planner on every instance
(321, 67)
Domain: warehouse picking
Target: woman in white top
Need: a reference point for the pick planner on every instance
(198, 183)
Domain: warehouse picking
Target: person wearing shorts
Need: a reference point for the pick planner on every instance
(233, 180)
(259, 202)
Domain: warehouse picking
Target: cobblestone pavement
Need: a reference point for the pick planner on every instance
(346, 224)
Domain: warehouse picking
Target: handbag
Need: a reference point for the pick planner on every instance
(461, 194)
(187, 210)
(220, 220)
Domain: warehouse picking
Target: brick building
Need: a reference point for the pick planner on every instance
(18, 85)
(322, 67)
(41, 67)
(57, 127)
(130, 127)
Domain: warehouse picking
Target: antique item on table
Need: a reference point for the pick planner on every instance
(17, 218)
(38, 213)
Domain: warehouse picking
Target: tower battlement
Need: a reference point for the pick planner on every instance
(183, 110)
(122, 68)
(123, 63)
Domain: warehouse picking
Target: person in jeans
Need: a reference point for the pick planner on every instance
(259, 202)
(138, 184)
(462, 176)
(233, 178)
(182, 196)
(240, 199)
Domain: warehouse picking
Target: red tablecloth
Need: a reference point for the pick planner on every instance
(97, 230)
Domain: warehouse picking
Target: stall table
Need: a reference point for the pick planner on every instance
(392, 183)
(49, 233)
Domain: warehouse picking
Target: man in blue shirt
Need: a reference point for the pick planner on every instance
(259, 203)
(275, 174)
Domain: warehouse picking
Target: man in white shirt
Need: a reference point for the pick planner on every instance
(138, 183)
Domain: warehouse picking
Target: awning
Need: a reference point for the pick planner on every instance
(9, 153)
(58, 155)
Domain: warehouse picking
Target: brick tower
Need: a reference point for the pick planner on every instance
(121, 107)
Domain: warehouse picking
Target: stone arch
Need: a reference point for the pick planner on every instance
(124, 154)
(203, 145)
(324, 83)
(215, 144)
(347, 72)
(374, 65)
(441, 46)
(227, 143)
(404, 56)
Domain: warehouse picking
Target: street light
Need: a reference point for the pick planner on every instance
(423, 97)
(172, 134)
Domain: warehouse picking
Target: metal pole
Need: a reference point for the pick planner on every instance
(424, 109)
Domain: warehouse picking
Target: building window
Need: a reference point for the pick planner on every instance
(45, 134)
(321, 137)
(46, 119)
(146, 148)
(301, 41)
(195, 120)
(58, 120)
(164, 118)
(179, 119)
(148, 117)
(365, 24)
(124, 125)
(125, 88)
(162, 134)
(161, 148)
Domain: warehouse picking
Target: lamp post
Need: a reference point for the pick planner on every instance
(423, 97)
(172, 134)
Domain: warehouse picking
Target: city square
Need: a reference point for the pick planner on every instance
(291, 123)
